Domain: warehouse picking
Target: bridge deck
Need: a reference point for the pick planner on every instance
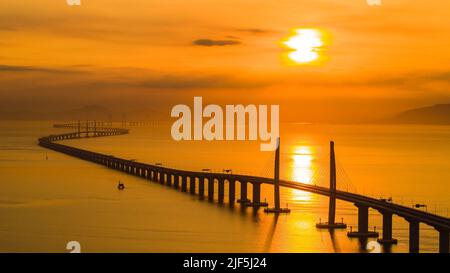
(408, 213)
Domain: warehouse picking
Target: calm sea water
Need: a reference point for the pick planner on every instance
(48, 199)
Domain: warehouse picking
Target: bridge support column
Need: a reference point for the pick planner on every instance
(243, 199)
(444, 241)
(231, 191)
(163, 178)
(192, 184)
(201, 186)
(363, 224)
(177, 181)
(414, 236)
(210, 188)
(169, 179)
(257, 196)
(184, 183)
(221, 190)
(387, 229)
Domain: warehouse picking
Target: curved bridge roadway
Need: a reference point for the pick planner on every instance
(194, 182)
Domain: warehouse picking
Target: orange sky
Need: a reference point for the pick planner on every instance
(138, 53)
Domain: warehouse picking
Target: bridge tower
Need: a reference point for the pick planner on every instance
(331, 224)
(276, 185)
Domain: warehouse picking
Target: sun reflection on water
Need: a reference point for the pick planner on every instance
(302, 170)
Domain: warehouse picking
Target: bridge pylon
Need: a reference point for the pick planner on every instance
(276, 185)
(331, 224)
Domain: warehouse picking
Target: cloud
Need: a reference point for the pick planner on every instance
(412, 80)
(255, 30)
(203, 82)
(209, 42)
(13, 68)
(232, 37)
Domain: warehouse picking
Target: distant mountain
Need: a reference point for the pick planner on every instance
(436, 114)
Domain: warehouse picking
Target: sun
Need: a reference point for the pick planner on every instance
(305, 45)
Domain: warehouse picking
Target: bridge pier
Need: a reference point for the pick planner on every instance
(443, 240)
(184, 183)
(221, 190)
(177, 181)
(243, 198)
(363, 224)
(192, 184)
(210, 189)
(414, 235)
(387, 229)
(257, 196)
(168, 179)
(201, 186)
(231, 191)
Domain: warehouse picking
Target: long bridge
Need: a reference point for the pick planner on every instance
(194, 182)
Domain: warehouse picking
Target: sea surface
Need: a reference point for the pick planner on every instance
(48, 199)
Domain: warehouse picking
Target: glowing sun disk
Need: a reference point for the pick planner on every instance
(305, 45)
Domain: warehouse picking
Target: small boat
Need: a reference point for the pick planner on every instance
(121, 186)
